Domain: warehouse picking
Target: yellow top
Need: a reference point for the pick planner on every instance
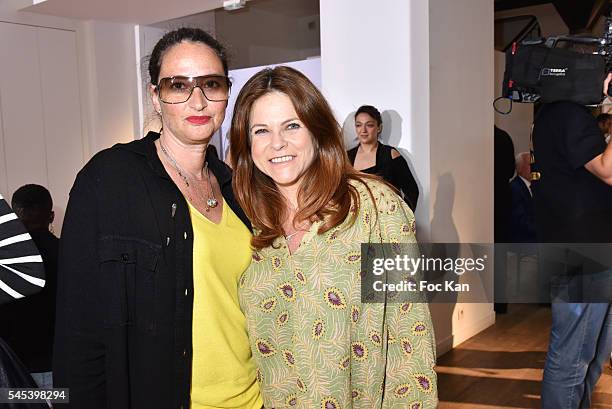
(223, 373)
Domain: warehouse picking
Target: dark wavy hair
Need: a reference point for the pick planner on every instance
(325, 192)
(170, 39)
(370, 110)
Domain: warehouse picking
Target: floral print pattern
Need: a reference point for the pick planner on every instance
(315, 343)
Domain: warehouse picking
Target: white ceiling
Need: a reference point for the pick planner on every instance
(142, 12)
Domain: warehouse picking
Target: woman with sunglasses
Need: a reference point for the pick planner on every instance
(152, 248)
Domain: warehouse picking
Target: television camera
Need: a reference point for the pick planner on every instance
(550, 69)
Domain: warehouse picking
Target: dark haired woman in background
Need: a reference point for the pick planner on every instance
(315, 343)
(152, 248)
(373, 157)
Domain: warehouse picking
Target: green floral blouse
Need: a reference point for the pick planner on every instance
(315, 344)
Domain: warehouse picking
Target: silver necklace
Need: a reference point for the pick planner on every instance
(211, 202)
(289, 236)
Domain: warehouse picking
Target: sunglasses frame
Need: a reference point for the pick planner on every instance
(199, 79)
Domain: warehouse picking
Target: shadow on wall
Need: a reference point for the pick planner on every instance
(443, 230)
(443, 227)
(391, 135)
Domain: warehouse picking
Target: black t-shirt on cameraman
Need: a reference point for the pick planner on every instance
(571, 204)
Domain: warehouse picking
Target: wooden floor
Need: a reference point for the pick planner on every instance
(502, 366)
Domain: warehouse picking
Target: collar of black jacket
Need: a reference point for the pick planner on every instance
(146, 147)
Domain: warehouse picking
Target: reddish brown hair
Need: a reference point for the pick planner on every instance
(325, 192)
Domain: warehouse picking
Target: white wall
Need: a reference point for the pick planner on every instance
(146, 37)
(367, 56)
(110, 83)
(40, 110)
(102, 112)
(461, 141)
(461, 121)
(431, 62)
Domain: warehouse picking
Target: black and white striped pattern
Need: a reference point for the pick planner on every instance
(21, 267)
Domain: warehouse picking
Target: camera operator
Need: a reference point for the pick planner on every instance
(573, 204)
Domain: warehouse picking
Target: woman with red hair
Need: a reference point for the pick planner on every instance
(314, 342)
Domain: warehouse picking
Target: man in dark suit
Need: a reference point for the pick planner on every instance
(522, 226)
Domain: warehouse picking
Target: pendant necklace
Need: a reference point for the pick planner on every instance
(298, 230)
(211, 201)
(289, 236)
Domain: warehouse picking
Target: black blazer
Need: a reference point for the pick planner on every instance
(522, 221)
(394, 171)
(125, 282)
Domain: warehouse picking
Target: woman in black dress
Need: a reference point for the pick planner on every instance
(372, 156)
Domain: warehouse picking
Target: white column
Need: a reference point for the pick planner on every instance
(110, 92)
(461, 138)
(376, 53)
(429, 65)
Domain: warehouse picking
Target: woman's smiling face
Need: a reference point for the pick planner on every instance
(281, 145)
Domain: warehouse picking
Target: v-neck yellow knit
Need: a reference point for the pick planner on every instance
(223, 374)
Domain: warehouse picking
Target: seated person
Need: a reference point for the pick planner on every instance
(522, 223)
